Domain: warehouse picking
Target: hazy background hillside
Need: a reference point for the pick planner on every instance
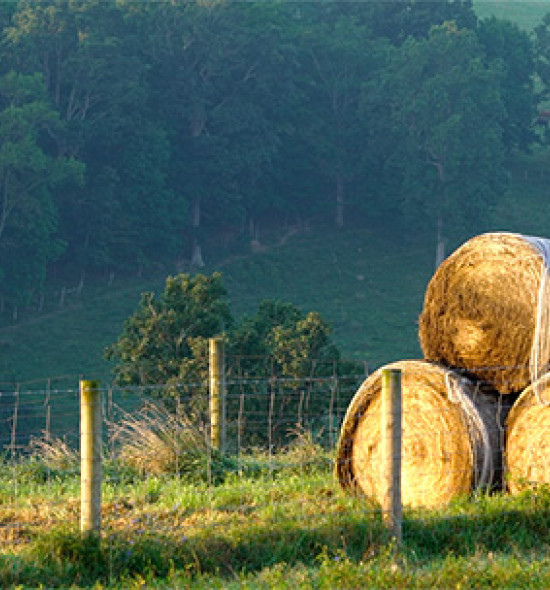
(367, 278)
(368, 282)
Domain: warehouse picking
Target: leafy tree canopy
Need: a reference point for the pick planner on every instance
(29, 175)
(166, 339)
(186, 120)
(438, 98)
(505, 43)
(163, 331)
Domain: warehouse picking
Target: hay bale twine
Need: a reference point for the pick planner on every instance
(483, 313)
(527, 457)
(449, 436)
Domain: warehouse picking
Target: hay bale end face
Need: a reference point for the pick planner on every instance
(480, 310)
(527, 459)
(450, 437)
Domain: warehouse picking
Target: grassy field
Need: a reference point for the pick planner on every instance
(369, 287)
(282, 524)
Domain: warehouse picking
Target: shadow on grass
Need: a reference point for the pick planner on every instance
(62, 557)
(518, 530)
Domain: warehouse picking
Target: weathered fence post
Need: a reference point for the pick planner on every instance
(390, 467)
(217, 393)
(90, 457)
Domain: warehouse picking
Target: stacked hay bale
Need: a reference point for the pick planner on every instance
(447, 436)
(483, 313)
(528, 438)
(484, 329)
(487, 310)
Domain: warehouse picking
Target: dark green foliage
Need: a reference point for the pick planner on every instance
(438, 98)
(397, 21)
(166, 338)
(281, 354)
(541, 46)
(29, 177)
(165, 331)
(279, 331)
(187, 121)
(193, 119)
(277, 349)
(504, 42)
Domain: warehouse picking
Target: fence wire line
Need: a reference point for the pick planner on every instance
(267, 416)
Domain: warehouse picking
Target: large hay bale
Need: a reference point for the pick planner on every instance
(450, 438)
(527, 457)
(482, 311)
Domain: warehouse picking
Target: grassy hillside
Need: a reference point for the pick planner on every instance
(368, 286)
(369, 283)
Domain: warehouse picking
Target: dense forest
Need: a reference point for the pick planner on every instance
(132, 131)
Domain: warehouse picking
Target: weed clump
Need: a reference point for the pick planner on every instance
(157, 441)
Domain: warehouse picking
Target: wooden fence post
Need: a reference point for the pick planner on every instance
(390, 467)
(90, 457)
(217, 393)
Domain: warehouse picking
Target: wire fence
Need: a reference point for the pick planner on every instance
(161, 473)
(261, 410)
(158, 431)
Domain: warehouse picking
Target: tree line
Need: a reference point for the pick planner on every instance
(130, 131)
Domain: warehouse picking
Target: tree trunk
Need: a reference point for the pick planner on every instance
(339, 201)
(196, 251)
(440, 247)
(196, 255)
(253, 228)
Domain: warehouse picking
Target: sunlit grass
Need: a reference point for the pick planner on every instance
(278, 526)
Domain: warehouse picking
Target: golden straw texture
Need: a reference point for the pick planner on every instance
(480, 310)
(449, 436)
(527, 458)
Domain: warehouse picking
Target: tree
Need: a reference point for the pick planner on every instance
(164, 345)
(541, 48)
(29, 175)
(397, 21)
(166, 330)
(441, 106)
(282, 335)
(219, 75)
(504, 42)
(281, 348)
(340, 58)
(94, 75)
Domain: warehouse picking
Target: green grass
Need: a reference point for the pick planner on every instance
(368, 283)
(368, 286)
(288, 528)
(69, 340)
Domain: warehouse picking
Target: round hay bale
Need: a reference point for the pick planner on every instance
(483, 313)
(449, 436)
(527, 457)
